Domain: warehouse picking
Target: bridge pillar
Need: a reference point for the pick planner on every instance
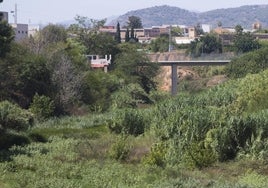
(174, 79)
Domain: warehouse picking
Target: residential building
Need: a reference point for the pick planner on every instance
(21, 31)
(206, 28)
(192, 32)
(33, 29)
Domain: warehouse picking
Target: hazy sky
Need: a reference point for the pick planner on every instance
(53, 11)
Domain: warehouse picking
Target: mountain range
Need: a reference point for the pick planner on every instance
(229, 17)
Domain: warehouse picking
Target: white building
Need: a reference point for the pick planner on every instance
(206, 28)
(21, 31)
(183, 40)
(33, 29)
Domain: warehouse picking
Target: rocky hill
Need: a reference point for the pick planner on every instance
(159, 15)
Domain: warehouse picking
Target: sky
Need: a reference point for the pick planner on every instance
(55, 11)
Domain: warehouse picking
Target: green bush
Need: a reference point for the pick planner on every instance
(157, 155)
(120, 149)
(42, 107)
(196, 155)
(12, 117)
(128, 121)
(129, 96)
(252, 62)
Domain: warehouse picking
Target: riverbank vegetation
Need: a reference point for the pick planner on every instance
(65, 125)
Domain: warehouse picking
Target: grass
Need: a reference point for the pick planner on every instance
(74, 158)
(89, 133)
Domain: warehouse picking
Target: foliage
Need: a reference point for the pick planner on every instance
(6, 37)
(66, 82)
(127, 35)
(134, 22)
(53, 34)
(131, 65)
(244, 42)
(156, 157)
(86, 32)
(42, 107)
(252, 62)
(161, 44)
(253, 179)
(97, 88)
(127, 121)
(120, 150)
(22, 75)
(129, 96)
(118, 33)
(207, 44)
(12, 117)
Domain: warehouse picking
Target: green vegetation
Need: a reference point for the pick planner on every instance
(253, 62)
(207, 44)
(228, 17)
(71, 126)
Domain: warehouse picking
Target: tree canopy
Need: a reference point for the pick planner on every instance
(134, 22)
(244, 41)
(205, 44)
(6, 37)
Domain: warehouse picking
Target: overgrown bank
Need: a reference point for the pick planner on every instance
(153, 147)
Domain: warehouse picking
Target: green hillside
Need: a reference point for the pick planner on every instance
(159, 15)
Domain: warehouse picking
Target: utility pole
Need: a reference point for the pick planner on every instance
(170, 40)
(16, 14)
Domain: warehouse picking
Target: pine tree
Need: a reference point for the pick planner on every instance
(118, 33)
(132, 33)
(127, 35)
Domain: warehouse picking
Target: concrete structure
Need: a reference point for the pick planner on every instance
(206, 28)
(21, 31)
(183, 40)
(257, 26)
(174, 68)
(192, 32)
(97, 62)
(33, 29)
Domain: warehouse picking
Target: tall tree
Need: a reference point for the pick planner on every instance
(206, 44)
(134, 22)
(6, 37)
(198, 29)
(118, 33)
(127, 35)
(130, 66)
(245, 42)
(132, 33)
(23, 74)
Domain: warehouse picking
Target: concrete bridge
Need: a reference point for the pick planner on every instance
(174, 68)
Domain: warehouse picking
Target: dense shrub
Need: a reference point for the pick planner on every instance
(13, 117)
(157, 155)
(120, 149)
(252, 62)
(42, 107)
(128, 121)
